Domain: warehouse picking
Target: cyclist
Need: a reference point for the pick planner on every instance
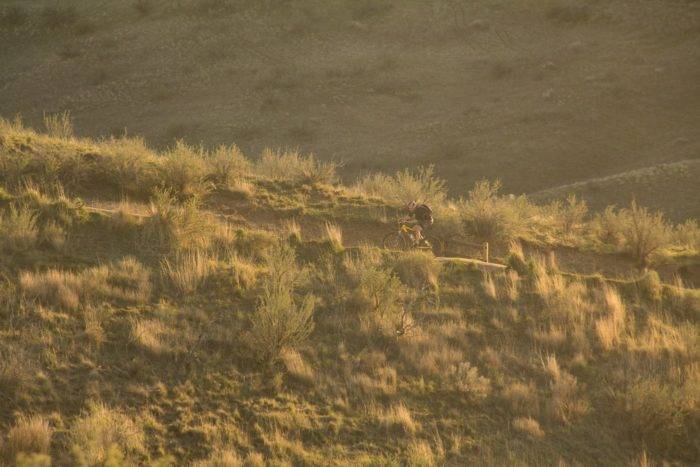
(419, 217)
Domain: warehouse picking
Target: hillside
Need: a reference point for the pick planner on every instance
(672, 188)
(537, 93)
(189, 307)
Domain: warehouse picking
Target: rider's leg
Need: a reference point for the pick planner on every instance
(418, 229)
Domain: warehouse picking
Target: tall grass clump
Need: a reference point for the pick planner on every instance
(418, 269)
(59, 125)
(295, 167)
(421, 186)
(29, 435)
(334, 235)
(173, 227)
(18, 230)
(127, 165)
(125, 281)
(611, 326)
(687, 234)
(100, 431)
(187, 272)
(281, 319)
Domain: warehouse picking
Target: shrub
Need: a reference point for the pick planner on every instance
(490, 217)
(659, 416)
(59, 125)
(635, 230)
(29, 435)
(102, 429)
(573, 213)
(609, 227)
(227, 164)
(183, 171)
(18, 230)
(279, 320)
(646, 232)
(467, 380)
(375, 288)
(174, 227)
(421, 186)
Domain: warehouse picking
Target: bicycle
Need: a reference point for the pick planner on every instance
(404, 239)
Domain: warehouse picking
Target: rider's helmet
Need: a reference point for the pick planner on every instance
(411, 205)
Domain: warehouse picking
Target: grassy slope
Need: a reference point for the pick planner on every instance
(540, 94)
(530, 369)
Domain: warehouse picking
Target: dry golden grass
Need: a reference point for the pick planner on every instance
(102, 429)
(311, 351)
(489, 287)
(611, 327)
(529, 426)
(18, 231)
(292, 230)
(522, 398)
(418, 269)
(28, 435)
(420, 454)
(296, 366)
(126, 281)
(334, 235)
(186, 273)
(396, 419)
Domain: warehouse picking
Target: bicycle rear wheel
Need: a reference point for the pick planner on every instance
(395, 241)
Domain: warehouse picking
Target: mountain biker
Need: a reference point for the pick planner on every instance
(419, 217)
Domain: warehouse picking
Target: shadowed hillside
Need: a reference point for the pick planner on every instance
(537, 93)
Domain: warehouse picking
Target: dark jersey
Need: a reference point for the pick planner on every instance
(424, 215)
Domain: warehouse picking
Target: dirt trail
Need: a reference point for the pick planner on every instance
(371, 232)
